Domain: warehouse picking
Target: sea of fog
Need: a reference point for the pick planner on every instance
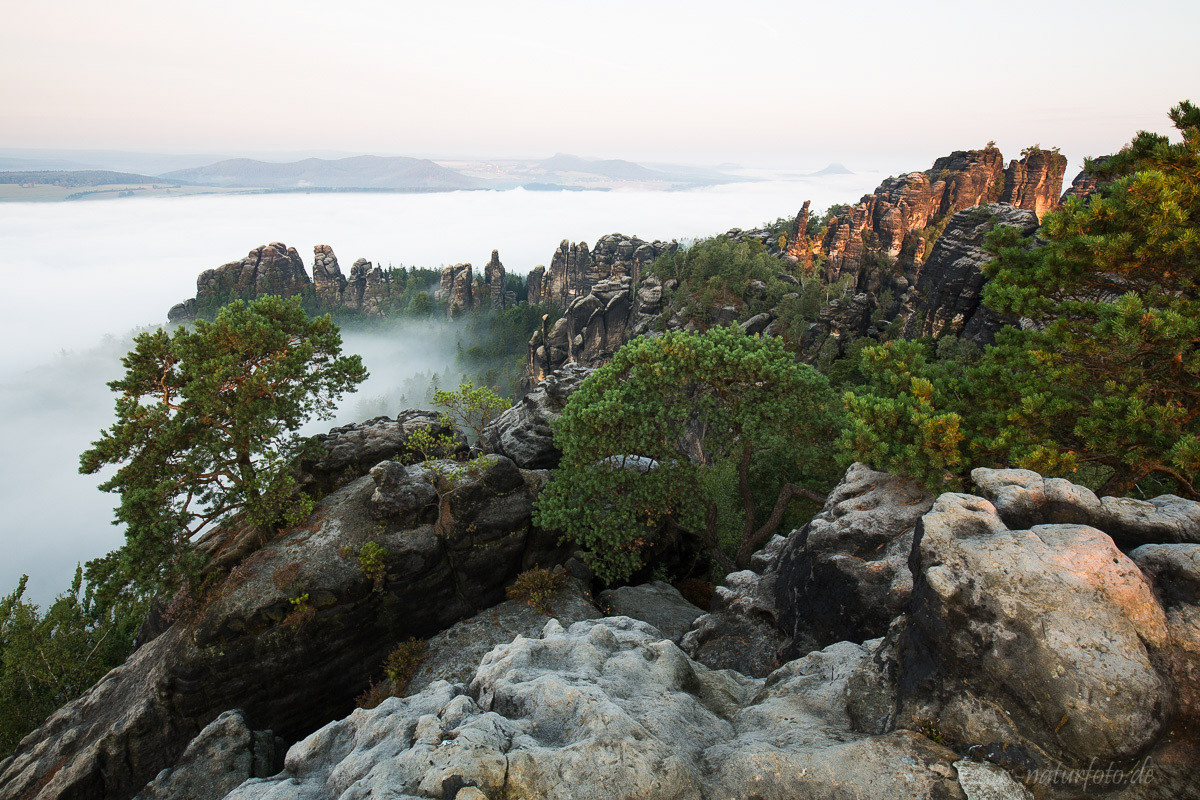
(81, 277)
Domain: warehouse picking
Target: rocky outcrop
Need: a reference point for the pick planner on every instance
(947, 298)
(534, 283)
(1048, 639)
(656, 603)
(292, 634)
(222, 757)
(574, 269)
(349, 451)
(844, 575)
(270, 269)
(457, 288)
(595, 326)
(523, 432)
(1024, 499)
(742, 630)
(607, 709)
(328, 280)
(1174, 571)
(1034, 182)
(454, 654)
(493, 283)
(1085, 184)
(278, 269)
(860, 235)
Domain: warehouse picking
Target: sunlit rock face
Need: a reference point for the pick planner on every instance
(1034, 182)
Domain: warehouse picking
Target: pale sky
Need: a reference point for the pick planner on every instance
(754, 82)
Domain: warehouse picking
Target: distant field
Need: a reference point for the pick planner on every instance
(32, 193)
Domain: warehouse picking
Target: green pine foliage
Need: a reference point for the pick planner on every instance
(50, 657)
(206, 427)
(706, 433)
(1102, 386)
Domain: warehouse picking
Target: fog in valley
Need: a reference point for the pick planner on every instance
(81, 277)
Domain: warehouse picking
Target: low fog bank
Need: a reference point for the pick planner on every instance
(108, 265)
(53, 517)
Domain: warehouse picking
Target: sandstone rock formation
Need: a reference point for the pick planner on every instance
(349, 451)
(607, 709)
(270, 269)
(523, 432)
(595, 325)
(844, 575)
(534, 282)
(1034, 182)
(457, 288)
(493, 282)
(656, 603)
(947, 298)
(574, 269)
(292, 666)
(278, 269)
(224, 755)
(1048, 638)
(742, 629)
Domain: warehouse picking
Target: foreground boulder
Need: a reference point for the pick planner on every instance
(844, 575)
(225, 754)
(607, 709)
(1049, 639)
(294, 632)
(658, 603)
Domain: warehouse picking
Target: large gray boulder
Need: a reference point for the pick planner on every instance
(741, 631)
(844, 575)
(657, 603)
(348, 451)
(1174, 570)
(1048, 638)
(294, 632)
(607, 709)
(1024, 498)
(523, 432)
(225, 754)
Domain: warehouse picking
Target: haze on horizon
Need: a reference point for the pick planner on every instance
(761, 83)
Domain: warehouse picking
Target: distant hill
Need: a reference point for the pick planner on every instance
(85, 177)
(833, 169)
(355, 172)
(613, 168)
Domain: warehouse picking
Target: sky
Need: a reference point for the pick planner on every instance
(755, 83)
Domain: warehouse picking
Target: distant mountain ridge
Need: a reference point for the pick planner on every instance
(354, 172)
(86, 177)
(614, 168)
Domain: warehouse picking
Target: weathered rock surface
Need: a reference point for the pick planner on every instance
(278, 269)
(1174, 570)
(1024, 498)
(1048, 638)
(493, 282)
(454, 654)
(224, 755)
(742, 630)
(1034, 182)
(270, 269)
(844, 575)
(657, 603)
(948, 296)
(523, 432)
(293, 668)
(457, 288)
(351, 450)
(575, 269)
(606, 709)
(595, 325)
